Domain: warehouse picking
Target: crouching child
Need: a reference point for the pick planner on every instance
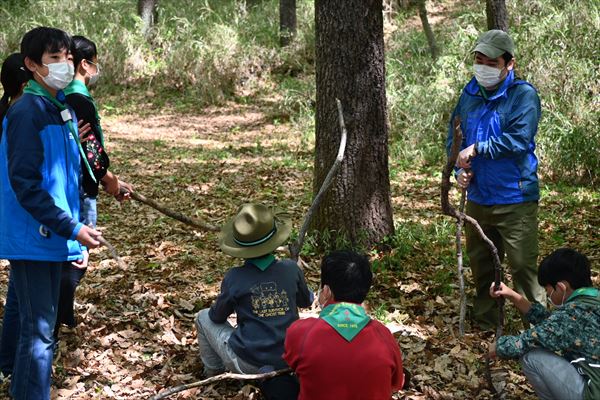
(264, 292)
(560, 355)
(344, 354)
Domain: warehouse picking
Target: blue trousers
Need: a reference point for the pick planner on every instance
(26, 347)
(71, 275)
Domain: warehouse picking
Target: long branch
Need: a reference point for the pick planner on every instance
(296, 247)
(195, 222)
(227, 375)
(451, 211)
(460, 216)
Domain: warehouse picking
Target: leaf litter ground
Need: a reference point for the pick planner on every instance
(136, 336)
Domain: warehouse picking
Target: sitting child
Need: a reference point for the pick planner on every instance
(265, 293)
(344, 354)
(560, 355)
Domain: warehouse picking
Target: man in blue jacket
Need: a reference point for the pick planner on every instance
(499, 117)
(39, 211)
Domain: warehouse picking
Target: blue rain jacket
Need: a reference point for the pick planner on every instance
(504, 127)
(39, 183)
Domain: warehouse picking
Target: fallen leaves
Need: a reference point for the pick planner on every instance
(136, 334)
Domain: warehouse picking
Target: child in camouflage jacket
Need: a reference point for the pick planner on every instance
(560, 355)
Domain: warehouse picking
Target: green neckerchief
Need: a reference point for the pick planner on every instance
(484, 92)
(76, 86)
(36, 89)
(263, 262)
(584, 291)
(348, 319)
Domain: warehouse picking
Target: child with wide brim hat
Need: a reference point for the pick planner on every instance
(255, 231)
(264, 292)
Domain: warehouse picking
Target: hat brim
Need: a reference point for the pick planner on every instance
(228, 245)
(488, 50)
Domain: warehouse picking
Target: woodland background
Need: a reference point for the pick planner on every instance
(206, 110)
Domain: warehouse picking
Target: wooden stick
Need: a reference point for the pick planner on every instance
(461, 277)
(460, 216)
(296, 246)
(451, 211)
(488, 375)
(195, 222)
(113, 252)
(227, 375)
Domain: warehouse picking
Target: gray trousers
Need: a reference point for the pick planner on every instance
(215, 352)
(552, 376)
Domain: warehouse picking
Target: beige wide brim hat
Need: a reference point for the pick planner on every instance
(255, 231)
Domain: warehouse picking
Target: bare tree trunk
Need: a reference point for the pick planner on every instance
(497, 16)
(287, 21)
(427, 29)
(350, 66)
(148, 11)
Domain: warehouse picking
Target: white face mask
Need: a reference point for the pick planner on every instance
(487, 76)
(94, 78)
(551, 302)
(319, 292)
(59, 75)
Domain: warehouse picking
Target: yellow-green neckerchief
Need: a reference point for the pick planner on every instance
(36, 89)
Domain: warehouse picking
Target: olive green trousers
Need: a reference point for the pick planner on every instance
(514, 230)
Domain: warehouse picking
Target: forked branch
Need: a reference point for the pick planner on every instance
(296, 246)
(451, 211)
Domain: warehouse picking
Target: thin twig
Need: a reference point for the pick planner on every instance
(112, 251)
(195, 222)
(461, 277)
(488, 375)
(296, 247)
(227, 375)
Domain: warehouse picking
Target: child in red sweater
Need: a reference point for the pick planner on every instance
(344, 354)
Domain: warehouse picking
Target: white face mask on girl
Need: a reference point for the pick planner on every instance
(487, 76)
(59, 75)
(94, 78)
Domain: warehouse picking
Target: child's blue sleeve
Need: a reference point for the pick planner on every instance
(224, 306)
(25, 154)
(304, 297)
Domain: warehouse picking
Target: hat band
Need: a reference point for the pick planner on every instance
(259, 241)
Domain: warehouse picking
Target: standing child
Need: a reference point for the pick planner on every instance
(94, 166)
(39, 210)
(560, 355)
(344, 354)
(264, 292)
(14, 77)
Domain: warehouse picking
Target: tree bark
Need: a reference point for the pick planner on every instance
(427, 29)
(350, 66)
(287, 21)
(497, 16)
(148, 11)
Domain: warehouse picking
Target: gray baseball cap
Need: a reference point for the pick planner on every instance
(494, 43)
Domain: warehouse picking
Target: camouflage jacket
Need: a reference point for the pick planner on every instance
(571, 331)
